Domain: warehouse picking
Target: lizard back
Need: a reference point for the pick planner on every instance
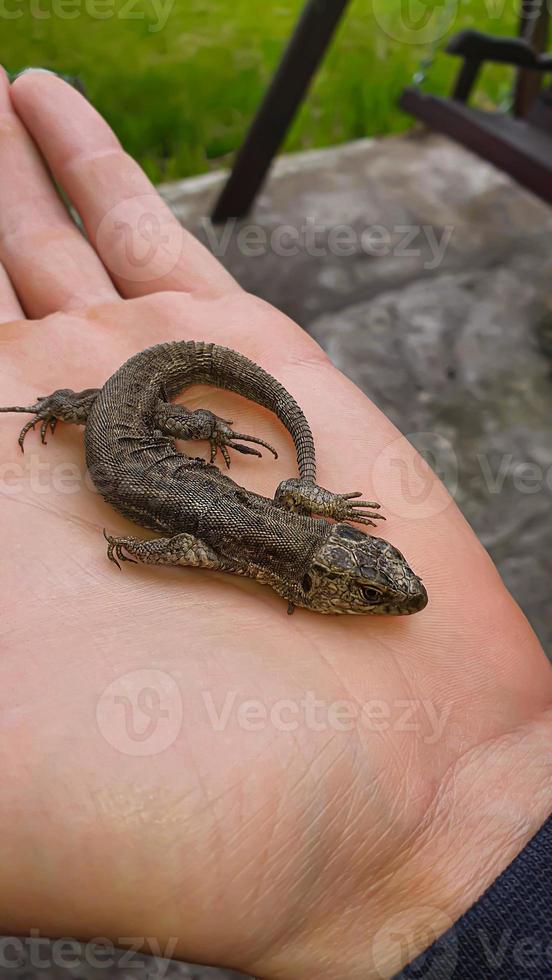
(141, 473)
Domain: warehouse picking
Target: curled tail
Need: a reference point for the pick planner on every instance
(226, 368)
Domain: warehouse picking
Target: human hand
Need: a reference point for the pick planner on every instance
(384, 771)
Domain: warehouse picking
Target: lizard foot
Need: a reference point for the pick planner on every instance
(224, 438)
(115, 549)
(179, 423)
(64, 404)
(305, 497)
(41, 414)
(181, 549)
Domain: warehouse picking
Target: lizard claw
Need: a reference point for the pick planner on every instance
(223, 438)
(115, 551)
(64, 403)
(41, 414)
(47, 423)
(358, 511)
(303, 496)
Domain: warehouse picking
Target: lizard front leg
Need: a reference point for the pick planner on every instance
(180, 423)
(181, 549)
(62, 405)
(305, 497)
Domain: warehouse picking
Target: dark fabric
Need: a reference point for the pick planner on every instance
(507, 934)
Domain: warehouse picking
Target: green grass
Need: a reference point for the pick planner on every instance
(180, 94)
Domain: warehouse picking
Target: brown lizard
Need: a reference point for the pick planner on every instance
(208, 520)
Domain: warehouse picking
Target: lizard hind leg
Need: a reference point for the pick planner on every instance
(305, 497)
(181, 549)
(180, 423)
(62, 405)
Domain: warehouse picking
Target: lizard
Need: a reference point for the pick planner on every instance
(300, 542)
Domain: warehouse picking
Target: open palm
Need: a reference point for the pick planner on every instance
(182, 760)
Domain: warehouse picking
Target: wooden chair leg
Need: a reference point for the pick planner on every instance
(466, 79)
(289, 85)
(535, 30)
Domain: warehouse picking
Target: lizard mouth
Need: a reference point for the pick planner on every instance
(355, 573)
(419, 600)
(406, 605)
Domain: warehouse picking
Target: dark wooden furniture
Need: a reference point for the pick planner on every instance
(520, 142)
(302, 57)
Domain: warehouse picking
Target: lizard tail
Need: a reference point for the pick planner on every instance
(164, 370)
(231, 370)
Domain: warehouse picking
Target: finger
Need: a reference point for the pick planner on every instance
(10, 307)
(50, 264)
(137, 237)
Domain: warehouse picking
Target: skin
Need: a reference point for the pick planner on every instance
(322, 842)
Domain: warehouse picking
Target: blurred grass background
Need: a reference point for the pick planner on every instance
(179, 80)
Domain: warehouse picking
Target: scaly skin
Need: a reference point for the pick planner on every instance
(210, 520)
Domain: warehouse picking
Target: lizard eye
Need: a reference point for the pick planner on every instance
(371, 594)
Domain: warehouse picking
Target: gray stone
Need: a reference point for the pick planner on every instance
(394, 184)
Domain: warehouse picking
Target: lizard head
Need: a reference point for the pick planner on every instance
(355, 573)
